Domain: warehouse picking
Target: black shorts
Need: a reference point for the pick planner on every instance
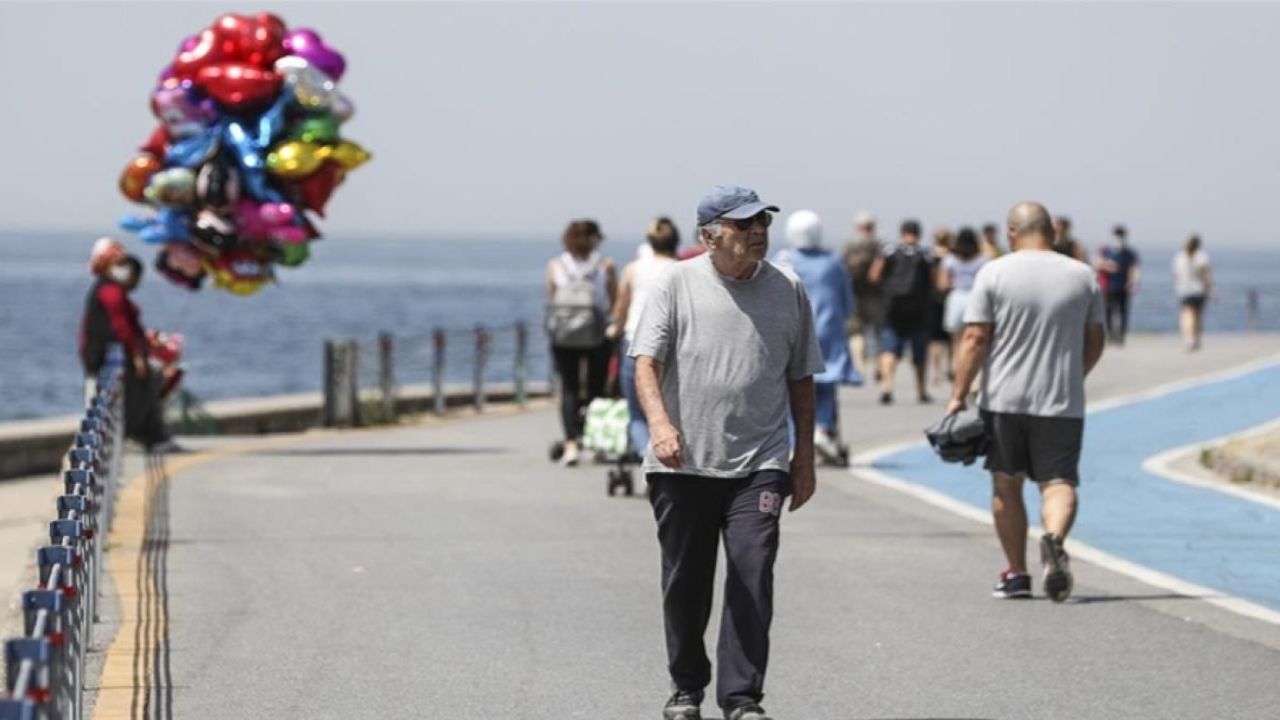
(1045, 449)
(1195, 302)
(894, 340)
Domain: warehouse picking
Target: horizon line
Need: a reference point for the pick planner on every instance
(484, 235)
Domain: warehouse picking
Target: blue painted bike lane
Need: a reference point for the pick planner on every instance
(1220, 541)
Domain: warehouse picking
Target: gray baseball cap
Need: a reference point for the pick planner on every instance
(732, 202)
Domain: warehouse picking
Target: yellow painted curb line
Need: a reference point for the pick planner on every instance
(117, 693)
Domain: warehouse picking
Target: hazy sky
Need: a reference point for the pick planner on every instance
(509, 119)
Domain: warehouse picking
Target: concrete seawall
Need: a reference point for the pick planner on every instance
(30, 447)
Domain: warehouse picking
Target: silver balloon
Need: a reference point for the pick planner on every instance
(174, 187)
(312, 88)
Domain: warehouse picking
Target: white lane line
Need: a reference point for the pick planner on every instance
(1161, 464)
(1185, 384)
(1079, 550)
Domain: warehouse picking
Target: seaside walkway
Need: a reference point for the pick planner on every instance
(447, 569)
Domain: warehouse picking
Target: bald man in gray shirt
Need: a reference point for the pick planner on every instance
(725, 353)
(1033, 325)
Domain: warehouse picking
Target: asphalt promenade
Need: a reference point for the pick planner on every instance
(448, 570)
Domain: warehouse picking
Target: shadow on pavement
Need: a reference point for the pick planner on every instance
(1090, 599)
(378, 451)
(882, 465)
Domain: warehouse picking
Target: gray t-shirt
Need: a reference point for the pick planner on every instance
(1039, 303)
(728, 349)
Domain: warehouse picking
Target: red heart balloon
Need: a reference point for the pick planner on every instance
(210, 47)
(257, 40)
(264, 43)
(315, 189)
(239, 85)
(158, 143)
(233, 31)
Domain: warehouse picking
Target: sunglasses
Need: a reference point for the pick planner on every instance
(763, 217)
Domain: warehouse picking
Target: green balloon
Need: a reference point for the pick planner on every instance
(320, 129)
(294, 254)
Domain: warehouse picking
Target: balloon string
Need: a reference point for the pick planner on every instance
(180, 322)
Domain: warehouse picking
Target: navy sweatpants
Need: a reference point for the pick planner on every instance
(693, 514)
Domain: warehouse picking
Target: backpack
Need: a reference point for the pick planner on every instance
(573, 319)
(907, 287)
(907, 275)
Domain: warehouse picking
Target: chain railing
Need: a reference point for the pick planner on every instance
(45, 666)
(368, 382)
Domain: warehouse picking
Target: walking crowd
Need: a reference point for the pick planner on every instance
(729, 360)
(875, 302)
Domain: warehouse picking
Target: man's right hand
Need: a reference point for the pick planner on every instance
(139, 366)
(956, 405)
(666, 445)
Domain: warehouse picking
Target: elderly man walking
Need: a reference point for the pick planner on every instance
(725, 352)
(1034, 328)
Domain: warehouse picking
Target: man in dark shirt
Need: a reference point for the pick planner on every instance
(110, 316)
(867, 322)
(1064, 242)
(906, 284)
(1118, 264)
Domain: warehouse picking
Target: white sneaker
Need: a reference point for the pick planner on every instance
(571, 456)
(827, 447)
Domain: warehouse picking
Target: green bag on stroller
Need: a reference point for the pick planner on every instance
(605, 431)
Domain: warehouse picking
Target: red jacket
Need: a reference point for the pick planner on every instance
(109, 316)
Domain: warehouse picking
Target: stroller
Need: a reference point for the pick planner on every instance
(606, 435)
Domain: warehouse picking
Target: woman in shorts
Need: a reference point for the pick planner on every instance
(1193, 281)
(956, 275)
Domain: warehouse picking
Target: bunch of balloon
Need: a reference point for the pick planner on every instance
(248, 144)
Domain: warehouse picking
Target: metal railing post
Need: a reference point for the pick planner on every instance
(437, 371)
(387, 376)
(352, 381)
(522, 361)
(342, 390)
(25, 659)
(115, 399)
(329, 382)
(478, 366)
(117, 456)
(90, 492)
(67, 576)
(72, 507)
